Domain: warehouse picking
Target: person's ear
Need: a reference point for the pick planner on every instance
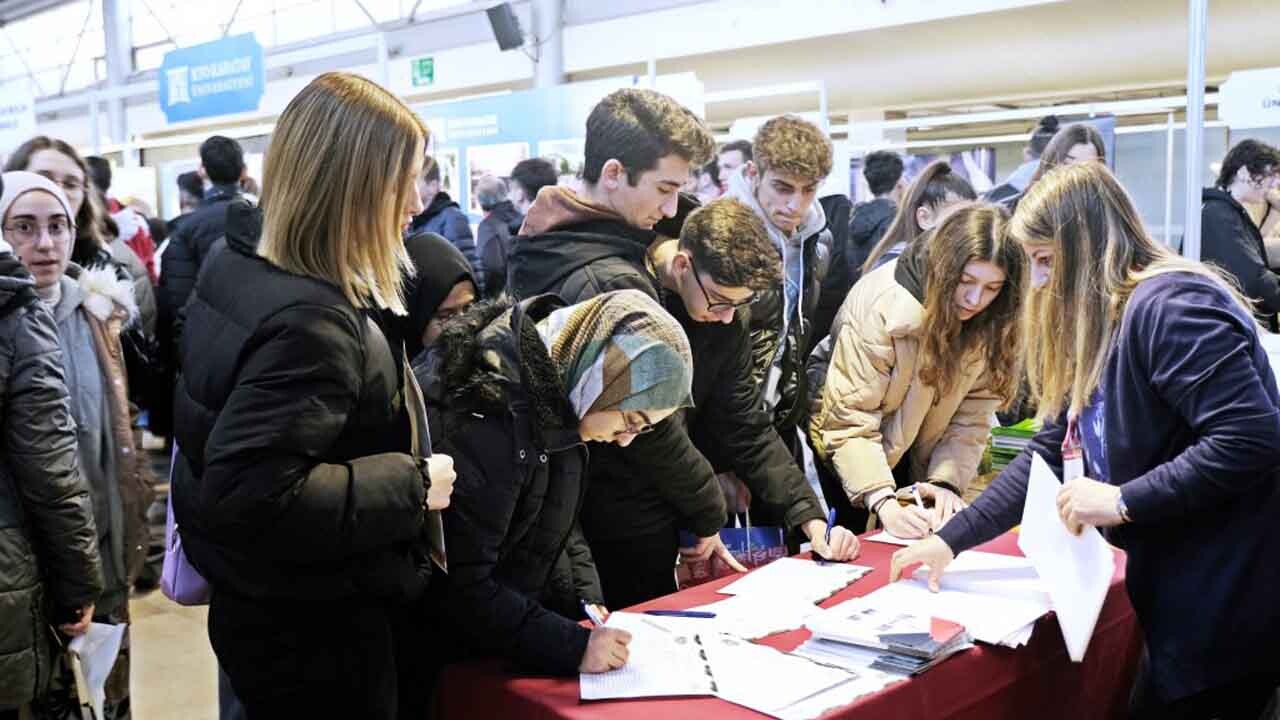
(1243, 174)
(750, 170)
(925, 217)
(613, 174)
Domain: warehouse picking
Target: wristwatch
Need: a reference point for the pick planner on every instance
(1121, 509)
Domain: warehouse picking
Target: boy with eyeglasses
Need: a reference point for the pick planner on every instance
(639, 149)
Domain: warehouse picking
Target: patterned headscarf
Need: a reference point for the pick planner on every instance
(619, 351)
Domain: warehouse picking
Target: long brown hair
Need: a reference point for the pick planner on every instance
(1055, 155)
(1102, 253)
(972, 233)
(336, 185)
(929, 189)
(91, 229)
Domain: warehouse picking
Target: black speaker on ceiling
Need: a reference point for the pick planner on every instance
(506, 26)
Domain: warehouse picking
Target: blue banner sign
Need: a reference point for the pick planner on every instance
(218, 78)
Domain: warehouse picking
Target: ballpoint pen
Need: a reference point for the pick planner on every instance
(915, 493)
(831, 521)
(681, 613)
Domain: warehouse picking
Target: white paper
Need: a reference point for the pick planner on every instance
(97, 650)
(764, 679)
(664, 659)
(884, 536)
(756, 616)
(1076, 570)
(862, 684)
(984, 573)
(1271, 344)
(989, 618)
(798, 579)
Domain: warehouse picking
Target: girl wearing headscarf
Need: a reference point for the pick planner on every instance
(91, 308)
(526, 388)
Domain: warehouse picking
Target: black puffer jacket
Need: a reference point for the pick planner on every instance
(493, 244)
(189, 246)
(294, 479)
(1231, 240)
(47, 535)
(521, 478)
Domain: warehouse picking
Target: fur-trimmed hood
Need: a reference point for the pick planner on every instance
(477, 365)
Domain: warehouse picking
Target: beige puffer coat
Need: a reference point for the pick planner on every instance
(873, 408)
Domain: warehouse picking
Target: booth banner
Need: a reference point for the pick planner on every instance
(17, 114)
(1251, 99)
(218, 78)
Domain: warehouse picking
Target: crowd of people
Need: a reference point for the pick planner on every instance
(581, 392)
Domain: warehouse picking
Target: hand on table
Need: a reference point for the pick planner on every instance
(843, 546)
(932, 552)
(709, 546)
(905, 521)
(606, 650)
(81, 626)
(945, 502)
(1088, 502)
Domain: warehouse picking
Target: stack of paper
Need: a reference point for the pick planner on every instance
(901, 642)
(797, 579)
(755, 616)
(1007, 442)
(666, 658)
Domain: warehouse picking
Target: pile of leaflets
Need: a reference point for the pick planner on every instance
(1007, 442)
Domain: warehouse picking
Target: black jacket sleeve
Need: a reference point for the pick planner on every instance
(682, 476)
(498, 618)
(740, 435)
(40, 445)
(266, 474)
(1231, 246)
(458, 231)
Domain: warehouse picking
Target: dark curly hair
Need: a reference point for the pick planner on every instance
(1259, 157)
(728, 241)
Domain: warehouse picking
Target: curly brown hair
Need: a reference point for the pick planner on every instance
(975, 232)
(793, 146)
(728, 241)
(638, 127)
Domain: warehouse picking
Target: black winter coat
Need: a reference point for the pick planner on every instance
(47, 533)
(521, 470)
(188, 248)
(445, 218)
(294, 478)
(494, 244)
(1230, 239)
(666, 479)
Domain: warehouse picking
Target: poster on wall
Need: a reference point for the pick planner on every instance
(450, 171)
(978, 166)
(496, 160)
(568, 156)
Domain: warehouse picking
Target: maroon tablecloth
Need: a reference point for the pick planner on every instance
(1036, 681)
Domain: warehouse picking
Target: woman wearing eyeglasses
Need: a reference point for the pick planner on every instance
(90, 307)
(525, 389)
(926, 349)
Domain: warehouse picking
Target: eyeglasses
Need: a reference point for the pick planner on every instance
(28, 231)
(69, 184)
(647, 427)
(713, 306)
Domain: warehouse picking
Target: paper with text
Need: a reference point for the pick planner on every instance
(665, 659)
(796, 578)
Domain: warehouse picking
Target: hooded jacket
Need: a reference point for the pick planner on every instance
(521, 477)
(782, 319)
(444, 217)
(494, 244)
(665, 479)
(294, 479)
(873, 406)
(47, 531)
(1231, 240)
(439, 266)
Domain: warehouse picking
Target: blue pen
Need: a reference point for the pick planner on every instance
(681, 613)
(831, 521)
(592, 614)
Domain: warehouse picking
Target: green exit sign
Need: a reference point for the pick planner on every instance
(424, 71)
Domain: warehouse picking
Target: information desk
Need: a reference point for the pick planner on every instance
(1036, 681)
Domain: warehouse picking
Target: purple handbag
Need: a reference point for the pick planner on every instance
(179, 581)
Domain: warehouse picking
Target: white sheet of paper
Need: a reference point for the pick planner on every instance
(755, 616)
(665, 660)
(1076, 570)
(97, 650)
(764, 679)
(986, 573)
(1271, 343)
(884, 536)
(796, 578)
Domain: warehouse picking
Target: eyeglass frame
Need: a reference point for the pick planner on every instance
(13, 232)
(715, 307)
(630, 429)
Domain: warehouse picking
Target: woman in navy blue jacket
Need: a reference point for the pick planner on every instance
(1156, 362)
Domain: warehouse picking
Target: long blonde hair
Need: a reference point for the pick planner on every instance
(974, 232)
(336, 185)
(1102, 253)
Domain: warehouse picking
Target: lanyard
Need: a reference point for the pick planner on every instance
(1072, 452)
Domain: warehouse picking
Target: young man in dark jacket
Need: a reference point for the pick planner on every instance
(443, 216)
(1229, 236)
(605, 240)
(52, 574)
(870, 220)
